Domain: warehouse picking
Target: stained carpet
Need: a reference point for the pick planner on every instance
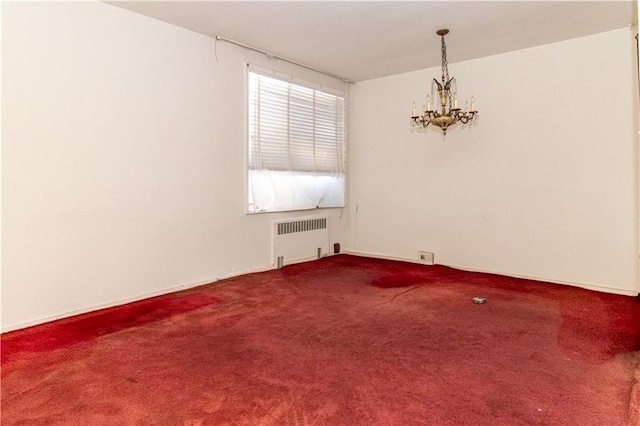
(342, 341)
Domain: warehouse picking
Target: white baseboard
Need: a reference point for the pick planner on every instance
(613, 290)
(144, 296)
(130, 299)
(305, 259)
(270, 267)
(380, 256)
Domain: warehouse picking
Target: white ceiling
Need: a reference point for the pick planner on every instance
(360, 40)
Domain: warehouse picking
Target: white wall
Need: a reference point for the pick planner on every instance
(123, 160)
(123, 163)
(544, 186)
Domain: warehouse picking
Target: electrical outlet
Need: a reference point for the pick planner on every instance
(426, 257)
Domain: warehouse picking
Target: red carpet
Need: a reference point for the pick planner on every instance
(344, 340)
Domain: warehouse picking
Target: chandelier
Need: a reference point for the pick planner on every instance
(448, 113)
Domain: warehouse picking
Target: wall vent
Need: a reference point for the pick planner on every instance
(292, 227)
(300, 240)
(426, 257)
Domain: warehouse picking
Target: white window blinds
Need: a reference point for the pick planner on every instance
(296, 152)
(294, 128)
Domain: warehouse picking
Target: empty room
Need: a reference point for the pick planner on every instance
(320, 213)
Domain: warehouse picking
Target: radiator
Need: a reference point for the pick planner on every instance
(300, 240)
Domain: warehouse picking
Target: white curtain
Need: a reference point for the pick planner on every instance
(285, 191)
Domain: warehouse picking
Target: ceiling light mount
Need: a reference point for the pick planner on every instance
(449, 113)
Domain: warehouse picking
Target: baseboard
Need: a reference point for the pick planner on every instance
(145, 296)
(613, 290)
(270, 267)
(380, 256)
(131, 299)
(305, 259)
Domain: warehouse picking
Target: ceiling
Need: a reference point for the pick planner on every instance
(361, 40)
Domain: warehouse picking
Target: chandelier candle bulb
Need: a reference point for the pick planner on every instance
(413, 110)
(428, 103)
(455, 101)
(473, 104)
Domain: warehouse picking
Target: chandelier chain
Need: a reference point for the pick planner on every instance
(445, 68)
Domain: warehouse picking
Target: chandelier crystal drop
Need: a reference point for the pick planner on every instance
(448, 112)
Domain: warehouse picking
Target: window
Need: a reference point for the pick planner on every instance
(296, 153)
